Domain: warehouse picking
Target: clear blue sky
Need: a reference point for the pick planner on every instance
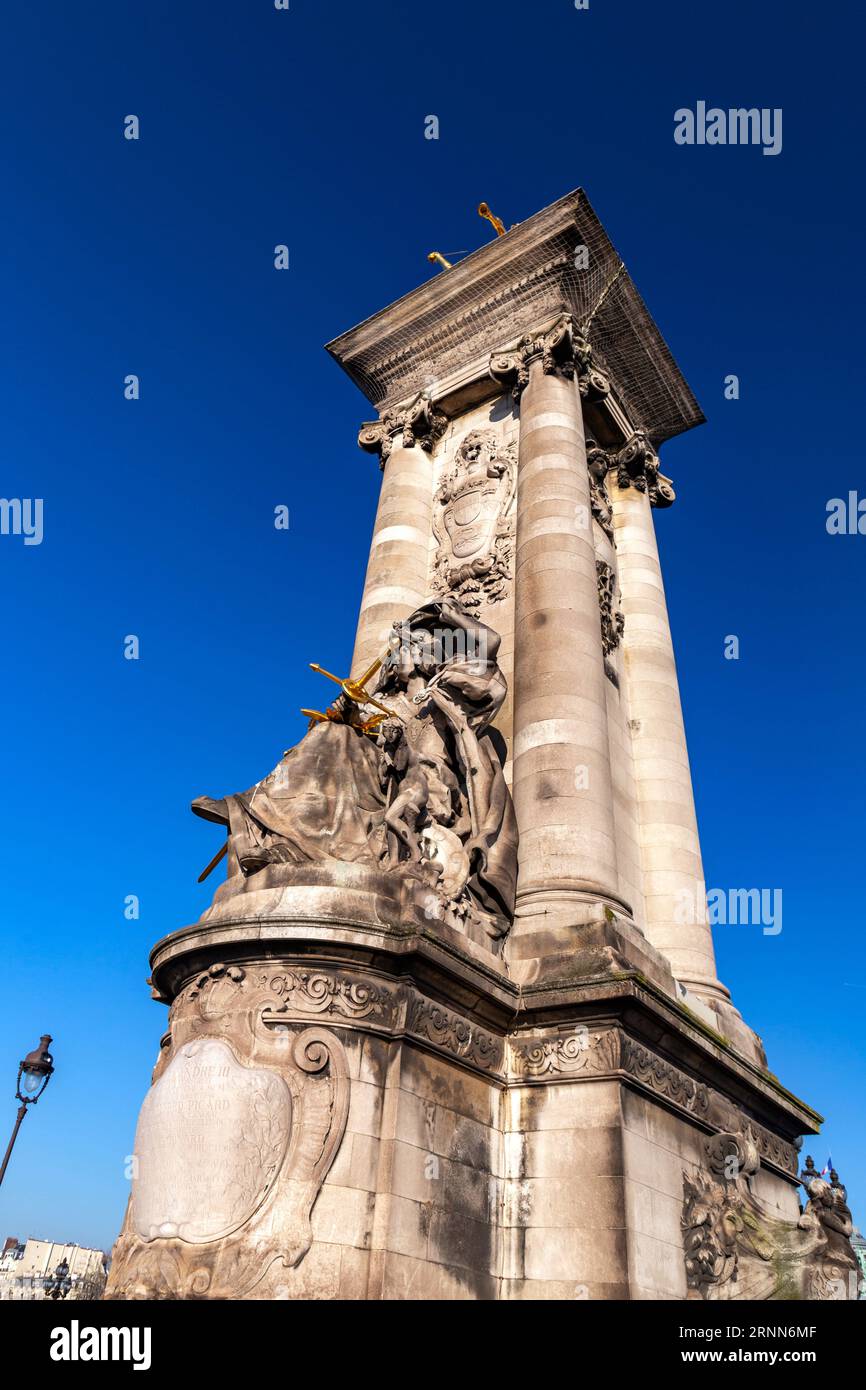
(261, 127)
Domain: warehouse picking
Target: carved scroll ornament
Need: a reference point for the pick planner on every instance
(234, 1141)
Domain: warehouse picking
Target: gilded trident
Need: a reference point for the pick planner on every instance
(354, 690)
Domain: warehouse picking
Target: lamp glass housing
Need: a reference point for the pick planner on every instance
(31, 1081)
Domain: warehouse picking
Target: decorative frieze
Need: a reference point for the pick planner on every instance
(569, 1054)
(325, 992)
(453, 1034)
(771, 1148)
(419, 423)
(662, 1078)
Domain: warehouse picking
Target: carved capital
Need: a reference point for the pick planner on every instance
(419, 423)
(637, 466)
(564, 352)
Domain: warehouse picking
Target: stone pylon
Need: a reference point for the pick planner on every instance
(361, 1096)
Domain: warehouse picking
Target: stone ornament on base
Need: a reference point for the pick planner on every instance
(233, 1143)
(211, 1138)
(736, 1247)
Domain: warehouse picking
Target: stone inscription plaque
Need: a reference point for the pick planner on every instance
(211, 1137)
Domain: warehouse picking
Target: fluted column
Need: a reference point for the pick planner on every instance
(562, 776)
(396, 582)
(675, 895)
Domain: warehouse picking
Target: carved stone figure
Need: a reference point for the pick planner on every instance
(599, 462)
(735, 1248)
(421, 793)
(403, 770)
(473, 522)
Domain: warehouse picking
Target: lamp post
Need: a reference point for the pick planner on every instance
(34, 1073)
(59, 1286)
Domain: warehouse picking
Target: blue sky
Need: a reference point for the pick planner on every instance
(155, 257)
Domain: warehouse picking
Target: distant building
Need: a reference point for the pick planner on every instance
(858, 1240)
(26, 1270)
(12, 1251)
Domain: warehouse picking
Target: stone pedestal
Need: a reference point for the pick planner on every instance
(352, 1103)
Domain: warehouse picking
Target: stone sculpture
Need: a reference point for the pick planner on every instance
(420, 792)
(737, 1248)
(473, 522)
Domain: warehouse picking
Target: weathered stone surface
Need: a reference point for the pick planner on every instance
(391, 1070)
(211, 1137)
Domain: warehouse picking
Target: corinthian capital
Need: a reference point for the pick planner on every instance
(564, 352)
(419, 423)
(637, 466)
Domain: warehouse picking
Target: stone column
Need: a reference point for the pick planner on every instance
(397, 582)
(562, 776)
(675, 894)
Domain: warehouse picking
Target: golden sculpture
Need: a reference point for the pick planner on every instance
(354, 690)
(496, 222)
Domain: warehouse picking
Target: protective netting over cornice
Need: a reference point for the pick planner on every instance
(516, 284)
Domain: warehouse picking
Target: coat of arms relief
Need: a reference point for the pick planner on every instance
(473, 521)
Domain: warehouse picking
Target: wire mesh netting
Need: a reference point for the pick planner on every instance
(560, 260)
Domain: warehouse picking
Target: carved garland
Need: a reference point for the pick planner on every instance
(612, 619)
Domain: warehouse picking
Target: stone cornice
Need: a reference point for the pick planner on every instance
(514, 286)
(284, 991)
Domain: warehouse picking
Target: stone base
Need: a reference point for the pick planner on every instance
(355, 1105)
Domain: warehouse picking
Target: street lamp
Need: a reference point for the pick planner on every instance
(34, 1073)
(59, 1286)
